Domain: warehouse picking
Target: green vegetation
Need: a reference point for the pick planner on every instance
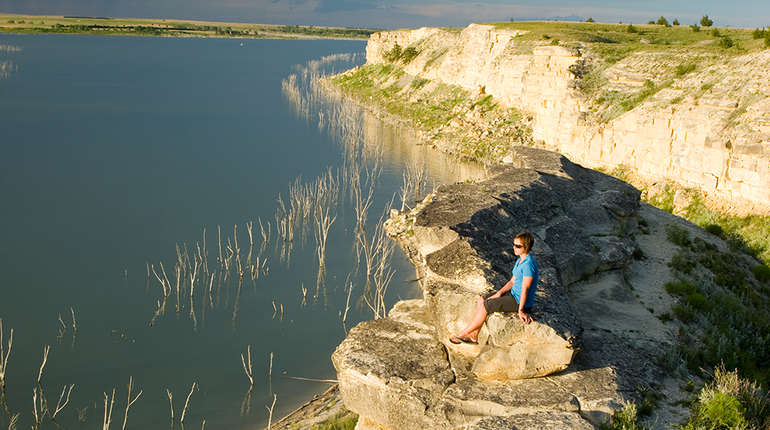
(670, 48)
(396, 54)
(160, 27)
(746, 233)
(730, 402)
(344, 421)
(762, 34)
(724, 325)
(723, 310)
(379, 84)
(627, 418)
(471, 128)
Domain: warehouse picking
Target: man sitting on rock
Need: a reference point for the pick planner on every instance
(523, 284)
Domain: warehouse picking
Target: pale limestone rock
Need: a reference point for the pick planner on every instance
(536, 421)
(686, 141)
(402, 373)
(392, 370)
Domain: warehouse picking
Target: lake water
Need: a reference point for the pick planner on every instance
(117, 151)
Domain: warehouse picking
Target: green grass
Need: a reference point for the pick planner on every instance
(745, 233)
(749, 233)
(673, 51)
(730, 402)
(615, 41)
(627, 418)
(170, 27)
(343, 421)
(723, 309)
(381, 86)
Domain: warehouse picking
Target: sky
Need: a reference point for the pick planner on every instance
(395, 14)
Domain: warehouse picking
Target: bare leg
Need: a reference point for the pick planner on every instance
(472, 330)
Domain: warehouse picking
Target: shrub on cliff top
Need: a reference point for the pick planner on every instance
(392, 55)
(626, 418)
(409, 54)
(762, 273)
(730, 402)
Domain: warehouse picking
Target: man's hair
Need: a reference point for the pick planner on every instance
(527, 240)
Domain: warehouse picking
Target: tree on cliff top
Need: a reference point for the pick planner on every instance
(706, 22)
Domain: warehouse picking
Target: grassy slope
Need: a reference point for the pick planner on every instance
(157, 27)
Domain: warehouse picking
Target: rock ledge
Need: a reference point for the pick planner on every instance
(401, 372)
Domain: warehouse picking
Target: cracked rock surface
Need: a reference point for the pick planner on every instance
(569, 368)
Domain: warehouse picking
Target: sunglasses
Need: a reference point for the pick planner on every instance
(517, 246)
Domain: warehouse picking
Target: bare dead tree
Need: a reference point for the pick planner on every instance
(270, 410)
(414, 177)
(130, 401)
(187, 403)
(4, 354)
(38, 407)
(171, 403)
(381, 250)
(248, 369)
(45, 359)
(59, 404)
(166, 287)
(108, 400)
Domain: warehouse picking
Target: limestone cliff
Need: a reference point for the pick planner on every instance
(707, 127)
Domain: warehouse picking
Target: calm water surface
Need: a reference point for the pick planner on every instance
(116, 150)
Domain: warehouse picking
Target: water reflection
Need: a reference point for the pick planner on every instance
(6, 66)
(369, 147)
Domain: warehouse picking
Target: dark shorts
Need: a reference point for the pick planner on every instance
(506, 303)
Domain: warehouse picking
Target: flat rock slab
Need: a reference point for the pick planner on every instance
(536, 421)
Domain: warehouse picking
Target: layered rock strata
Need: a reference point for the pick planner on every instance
(401, 372)
(709, 129)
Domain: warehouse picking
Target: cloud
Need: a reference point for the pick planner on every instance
(343, 6)
(404, 13)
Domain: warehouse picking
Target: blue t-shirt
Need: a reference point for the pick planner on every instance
(525, 267)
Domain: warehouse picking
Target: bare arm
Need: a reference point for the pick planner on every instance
(526, 282)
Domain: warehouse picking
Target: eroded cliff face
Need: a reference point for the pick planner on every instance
(709, 129)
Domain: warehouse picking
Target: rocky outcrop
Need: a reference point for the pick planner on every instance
(401, 372)
(709, 129)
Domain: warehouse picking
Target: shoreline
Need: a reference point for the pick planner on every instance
(56, 24)
(321, 408)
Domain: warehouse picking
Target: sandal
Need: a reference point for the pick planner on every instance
(457, 340)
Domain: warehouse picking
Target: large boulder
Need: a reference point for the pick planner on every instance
(394, 368)
(401, 372)
(460, 239)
